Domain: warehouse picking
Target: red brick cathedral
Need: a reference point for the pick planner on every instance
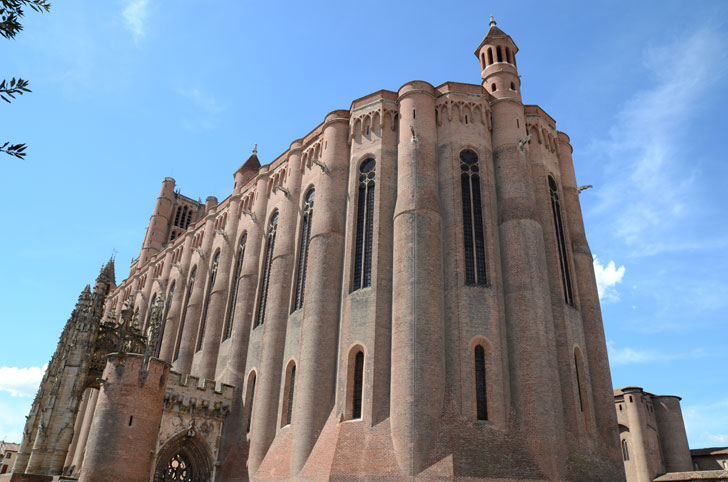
(406, 293)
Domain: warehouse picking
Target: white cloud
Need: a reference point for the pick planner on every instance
(135, 14)
(203, 100)
(607, 278)
(701, 421)
(628, 355)
(21, 382)
(652, 181)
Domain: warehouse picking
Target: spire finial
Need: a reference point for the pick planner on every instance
(255, 150)
(492, 21)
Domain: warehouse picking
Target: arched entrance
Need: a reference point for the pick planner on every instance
(184, 458)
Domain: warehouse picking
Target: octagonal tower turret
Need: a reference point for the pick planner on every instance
(497, 56)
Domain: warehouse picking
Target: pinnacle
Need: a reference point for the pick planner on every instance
(252, 162)
(107, 272)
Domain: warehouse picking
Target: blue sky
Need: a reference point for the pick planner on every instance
(128, 92)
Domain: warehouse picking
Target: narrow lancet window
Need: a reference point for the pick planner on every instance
(206, 308)
(265, 275)
(358, 385)
(561, 242)
(625, 450)
(364, 225)
(251, 398)
(186, 301)
(288, 408)
(578, 369)
(481, 398)
(473, 233)
(303, 250)
(234, 289)
(149, 313)
(167, 306)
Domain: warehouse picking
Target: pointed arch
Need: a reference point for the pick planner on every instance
(364, 225)
(235, 285)
(288, 394)
(264, 282)
(186, 302)
(185, 457)
(208, 296)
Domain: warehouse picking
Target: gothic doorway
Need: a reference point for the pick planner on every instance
(184, 458)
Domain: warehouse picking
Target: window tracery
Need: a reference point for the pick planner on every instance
(206, 308)
(364, 225)
(561, 242)
(473, 233)
(303, 250)
(265, 275)
(234, 291)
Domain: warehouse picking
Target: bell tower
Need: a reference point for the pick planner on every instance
(498, 71)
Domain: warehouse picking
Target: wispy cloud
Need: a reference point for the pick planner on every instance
(21, 382)
(135, 14)
(607, 278)
(651, 183)
(203, 100)
(629, 356)
(701, 421)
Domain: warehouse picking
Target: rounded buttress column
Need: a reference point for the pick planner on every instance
(158, 224)
(637, 425)
(233, 434)
(245, 300)
(188, 342)
(591, 313)
(418, 359)
(88, 417)
(218, 298)
(77, 429)
(536, 403)
(674, 440)
(172, 323)
(265, 408)
(317, 380)
(126, 422)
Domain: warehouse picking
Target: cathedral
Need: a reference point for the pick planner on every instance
(406, 293)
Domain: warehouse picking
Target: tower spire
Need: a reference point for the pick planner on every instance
(492, 21)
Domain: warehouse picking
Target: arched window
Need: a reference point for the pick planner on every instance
(579, 370)
(364, 225)
(176, 216)
(250, 399)
(149, 313)
(500, 53)
(492, 87)
(234, 290)
(473, 233)
(303, 250)
(481, 398)
(206, 307)
(189, 218)
(508, 55)
(490, 56)
(265, 275)
(186, 301)
(290, 385)
(358, 385)
(167, 306)
(625, 450)
(561, 242)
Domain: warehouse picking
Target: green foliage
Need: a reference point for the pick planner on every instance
(11, 11)
(17, 150)
(13, 88)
